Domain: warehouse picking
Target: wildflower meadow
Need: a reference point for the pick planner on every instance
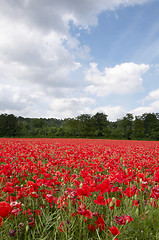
(72, 189)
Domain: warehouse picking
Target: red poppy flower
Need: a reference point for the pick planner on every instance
(5, 209)
(129, 192)
(100, 223)
(61, 227)
(91, 227)
(156, 176)
(155, 192)
(104, 186)
(31, 221)
(135, 203)
(123, 219)
(85, 212)
(100, 200)
(37, 212)
(114, 230)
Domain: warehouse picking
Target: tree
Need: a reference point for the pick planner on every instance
(127, 123)
(138, 127)
(71, 127)
(8, 125)
(99, 124)
(150, 124)
(38, 123)
(84, 125)
(52, 131)
(117, 130)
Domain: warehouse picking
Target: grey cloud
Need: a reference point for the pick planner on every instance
(55, 14)
(10, 106)
(45, 15)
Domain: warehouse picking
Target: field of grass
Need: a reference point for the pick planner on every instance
(72, 189)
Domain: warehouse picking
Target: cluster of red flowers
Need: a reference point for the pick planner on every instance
(62, 171)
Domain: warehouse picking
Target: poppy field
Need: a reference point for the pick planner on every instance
(74, 189)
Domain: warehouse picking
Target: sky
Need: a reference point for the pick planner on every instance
(63, 58)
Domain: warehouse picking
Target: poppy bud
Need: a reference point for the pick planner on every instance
(12, 233)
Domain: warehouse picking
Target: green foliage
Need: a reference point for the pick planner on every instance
(100, 124)
(138, 128)
(144, 127)
(8, 125)
(127, 123)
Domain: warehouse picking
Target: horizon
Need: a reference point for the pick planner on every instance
(91, 115)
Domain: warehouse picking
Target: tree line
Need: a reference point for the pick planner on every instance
(144, 127)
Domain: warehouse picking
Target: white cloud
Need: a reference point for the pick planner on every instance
(82, 52)
(152, 106)
(38, 55)
(16, 99)
(153, 95)
(35, 57)
(33, 102)
(70, 107)
(113, 112)
(121, 79)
